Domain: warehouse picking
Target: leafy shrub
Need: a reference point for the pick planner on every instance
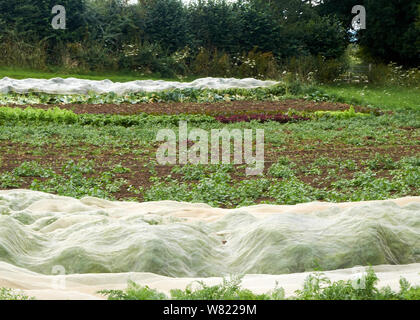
(256, 64)
(378, 74)
(315, 69)
(329, 70)
(16, 52)
(86, 57)
(148, 58)
(393, 75)
(211, 63)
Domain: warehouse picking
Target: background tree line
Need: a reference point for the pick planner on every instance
(208, 37)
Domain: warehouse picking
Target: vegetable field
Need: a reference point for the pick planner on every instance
(318, 146)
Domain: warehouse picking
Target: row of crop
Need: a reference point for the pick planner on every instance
(291, 116)
(272, 93)
(281, 118)
(57, 115)
(277, 92)
(316, 286)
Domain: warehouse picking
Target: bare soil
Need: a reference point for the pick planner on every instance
(218, 108)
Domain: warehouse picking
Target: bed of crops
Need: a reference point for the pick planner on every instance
(316, 148)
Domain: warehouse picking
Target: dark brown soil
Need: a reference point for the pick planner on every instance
(234, 107)
(13, 154)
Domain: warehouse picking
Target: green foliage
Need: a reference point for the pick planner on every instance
(10, 180)
(328, 71)
(398, 42)
(150, 36)
(325, 37)
(228, 290)
(394, 75)
(392, 34)
(282, 169)
(381, 162)
(292, 191)
(316, 287)
(57, 115)
(386, 98)
(208, 22)
(319, 287)
(32, 169)
(170, 38)
(77, 181)
(165, 22)
(29, 19)
(134, 292)
(273, 93)
(257, 64)
(366, 186)
(328, 179)
(315, 69)
(218, 189)
(37, 115)
(149, 58)
(9, 294)
(350, 113)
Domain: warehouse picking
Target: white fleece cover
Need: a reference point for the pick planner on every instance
(82, 86)
(97, 244)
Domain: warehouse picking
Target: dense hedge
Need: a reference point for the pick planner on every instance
(111, 34)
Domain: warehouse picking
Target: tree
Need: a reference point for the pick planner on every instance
(31, 19)
(324, 36)
(164, 22)
(110, 23)
(260, 30)
(291, 11)
(391, 33)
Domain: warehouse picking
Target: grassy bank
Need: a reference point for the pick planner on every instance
(385, 97)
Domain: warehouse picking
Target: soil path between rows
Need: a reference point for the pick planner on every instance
(216, 108)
